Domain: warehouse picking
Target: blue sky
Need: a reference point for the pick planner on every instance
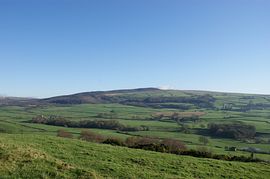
(50, 47)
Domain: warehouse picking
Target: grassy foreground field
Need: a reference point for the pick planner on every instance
(39, 156)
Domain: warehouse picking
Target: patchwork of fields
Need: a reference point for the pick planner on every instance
(72, 157)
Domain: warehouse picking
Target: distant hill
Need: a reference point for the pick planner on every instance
(97, 96)
(174, 99)
(17, 101)
(154, 98)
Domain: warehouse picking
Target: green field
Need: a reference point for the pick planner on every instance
(42, 156)
(33, 150)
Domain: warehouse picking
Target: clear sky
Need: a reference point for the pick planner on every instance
(53, 47)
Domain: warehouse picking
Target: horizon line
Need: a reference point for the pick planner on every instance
(119, 89)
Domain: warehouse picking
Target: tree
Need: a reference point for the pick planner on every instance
(204, 140)
(185, 129)
(232, 130)
(175, 116)
(63, 133)
(194, 118)
(91, 136)
(173, 145)
(202, 125)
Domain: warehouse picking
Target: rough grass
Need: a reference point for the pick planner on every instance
(18, 161)
(39, 156)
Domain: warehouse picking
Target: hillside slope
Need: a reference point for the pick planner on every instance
(174, 99)
(34, 156)
(154, 98)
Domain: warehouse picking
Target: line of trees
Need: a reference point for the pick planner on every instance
(246, 107)
(232, 130)
(172, 146)
(100, 124)
(200, 101)
(145, 143)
